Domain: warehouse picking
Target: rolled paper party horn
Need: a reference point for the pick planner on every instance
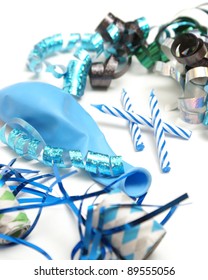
(64, 124)
(133, 243)
(14, 224)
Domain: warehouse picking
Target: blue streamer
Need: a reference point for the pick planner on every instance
(95, 237)
(27, 244)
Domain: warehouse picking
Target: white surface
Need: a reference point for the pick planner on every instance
(23, 24)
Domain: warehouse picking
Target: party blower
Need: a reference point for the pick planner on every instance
(44, 123)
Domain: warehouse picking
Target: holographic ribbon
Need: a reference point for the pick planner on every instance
(131, 34)
(101, 74)
(114, 38)
(190, 72)
(205, 121)
(187, 51)
(138, 119)
(52, 46)
(190, 51)
(185, 21)
(117, 41)
(75, 74)
(75, 78)
(159, 134)
(25, 145)
(133, 127)
(127, 38)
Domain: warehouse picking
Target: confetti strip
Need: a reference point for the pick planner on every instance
(133, 127)
(159, 134)
(135, 118)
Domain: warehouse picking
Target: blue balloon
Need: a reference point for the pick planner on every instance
(62, 122)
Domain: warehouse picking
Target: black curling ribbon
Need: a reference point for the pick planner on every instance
(131, 37)
(190, 50)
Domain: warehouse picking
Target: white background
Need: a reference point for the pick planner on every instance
(23, 24)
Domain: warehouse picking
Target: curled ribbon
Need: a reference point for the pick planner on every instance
(131, 34)
(185, 21)
(190, 71)
(75, 78)
(24, 144)
(114, 38)
(123, 42)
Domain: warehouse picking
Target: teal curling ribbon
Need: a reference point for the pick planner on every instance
(51, 46)
(75, 78)
(25, 145)
(64, 124)
(115, 39)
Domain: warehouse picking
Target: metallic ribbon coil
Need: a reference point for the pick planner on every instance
(75, 78)
(29, 147)
(183, 22)
(189, 69)
(113, 38)
(149, 54)
(101, 74)
(127, 38)
(189, 50)
(131, 34)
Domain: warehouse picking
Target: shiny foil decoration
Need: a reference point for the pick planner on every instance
(190, 70)
(159, 134)
(75, 78)
(27, 146)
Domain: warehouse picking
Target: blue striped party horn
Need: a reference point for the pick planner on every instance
(136, 118)
(133, 127)
(159, 134)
